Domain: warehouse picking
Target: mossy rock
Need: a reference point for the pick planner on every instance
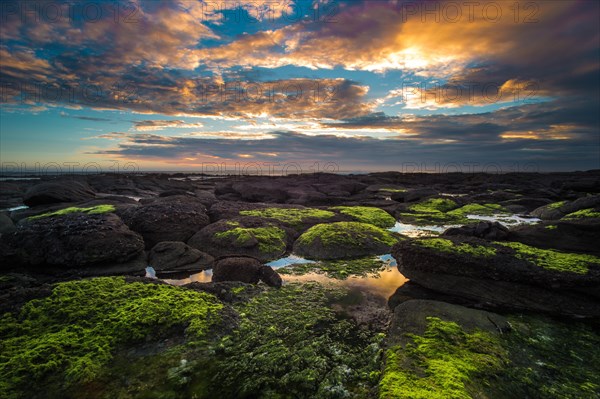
(446, 211)
(367, 214)
(440, 351)
(298, 218)
(499, 261)
(344, 240)
(57, 345)
(338, 269)
(92, 210)
(248, 236)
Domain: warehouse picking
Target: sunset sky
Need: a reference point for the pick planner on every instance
(358, 86)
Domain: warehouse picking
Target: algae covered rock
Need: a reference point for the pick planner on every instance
(505, 275)
(343, 240)
(56, 345)
(242, 236)
(366, 214)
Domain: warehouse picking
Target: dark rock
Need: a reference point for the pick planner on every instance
(578, 235)
(414, 194)
(507, 296)
(245, 269)
(6, 224)
(411, 318)
(174, 218)
(488, 230)
(411, 290)
(55, 192)
(552, 212)
(171, 193)
(176, 256)
(74, 240)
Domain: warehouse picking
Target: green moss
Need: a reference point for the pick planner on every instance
(550, 359)
(291, 344)
(445, 245)
(347, 233)
(556, 205)
(271, 239)
(551, 227)
(338, 269)
(583, 213)
(366, 214)
(434, 205)
(478, 209)
(292, 216)
(90, 211)
(70, 336)
(551, 259)
(445, 363)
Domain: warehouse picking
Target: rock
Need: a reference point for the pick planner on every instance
(506, 296)
(74, 240)
(556, 211)
(265, 191)
(6, 224)
(207, 198)
(171, 193)
(411, 318)
(245, 269)
(176, 256)
(411, 290)
(55, 192)
(174, 218)
(488, 230)
(503, 275)
(248, 236)
(344, 240)
(565, 235)
(414, 194)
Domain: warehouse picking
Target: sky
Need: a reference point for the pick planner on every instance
(288, 86)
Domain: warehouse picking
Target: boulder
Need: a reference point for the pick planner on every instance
(55, 192)
(245, 269)
(74, 240)
(176, 256)
(250, 236)
(483, 229)
(174, 218)
(344, 240)
(411, 318)
(6, 224)
(503, 275)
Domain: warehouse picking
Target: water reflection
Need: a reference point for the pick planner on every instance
(288, 261)
(412, 230)
(507, 220)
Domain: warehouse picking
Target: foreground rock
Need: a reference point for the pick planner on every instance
(55, 192)
(504, 274)
(75, 241)
(344, 240)
(487, 230)
(174, 218)
(248, 236)
(245, 269)
(176, 256)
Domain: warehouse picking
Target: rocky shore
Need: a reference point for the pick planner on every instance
(98, 297)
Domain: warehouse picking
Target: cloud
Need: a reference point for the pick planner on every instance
(153, 125)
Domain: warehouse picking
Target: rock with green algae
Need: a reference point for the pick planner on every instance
(92, 210)
(504, 275)
(248, 236)
(297, 217)
(439, 350)
(338, 269)
(344, 240)
(57, 345)
(367, 214)
(447, 211)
